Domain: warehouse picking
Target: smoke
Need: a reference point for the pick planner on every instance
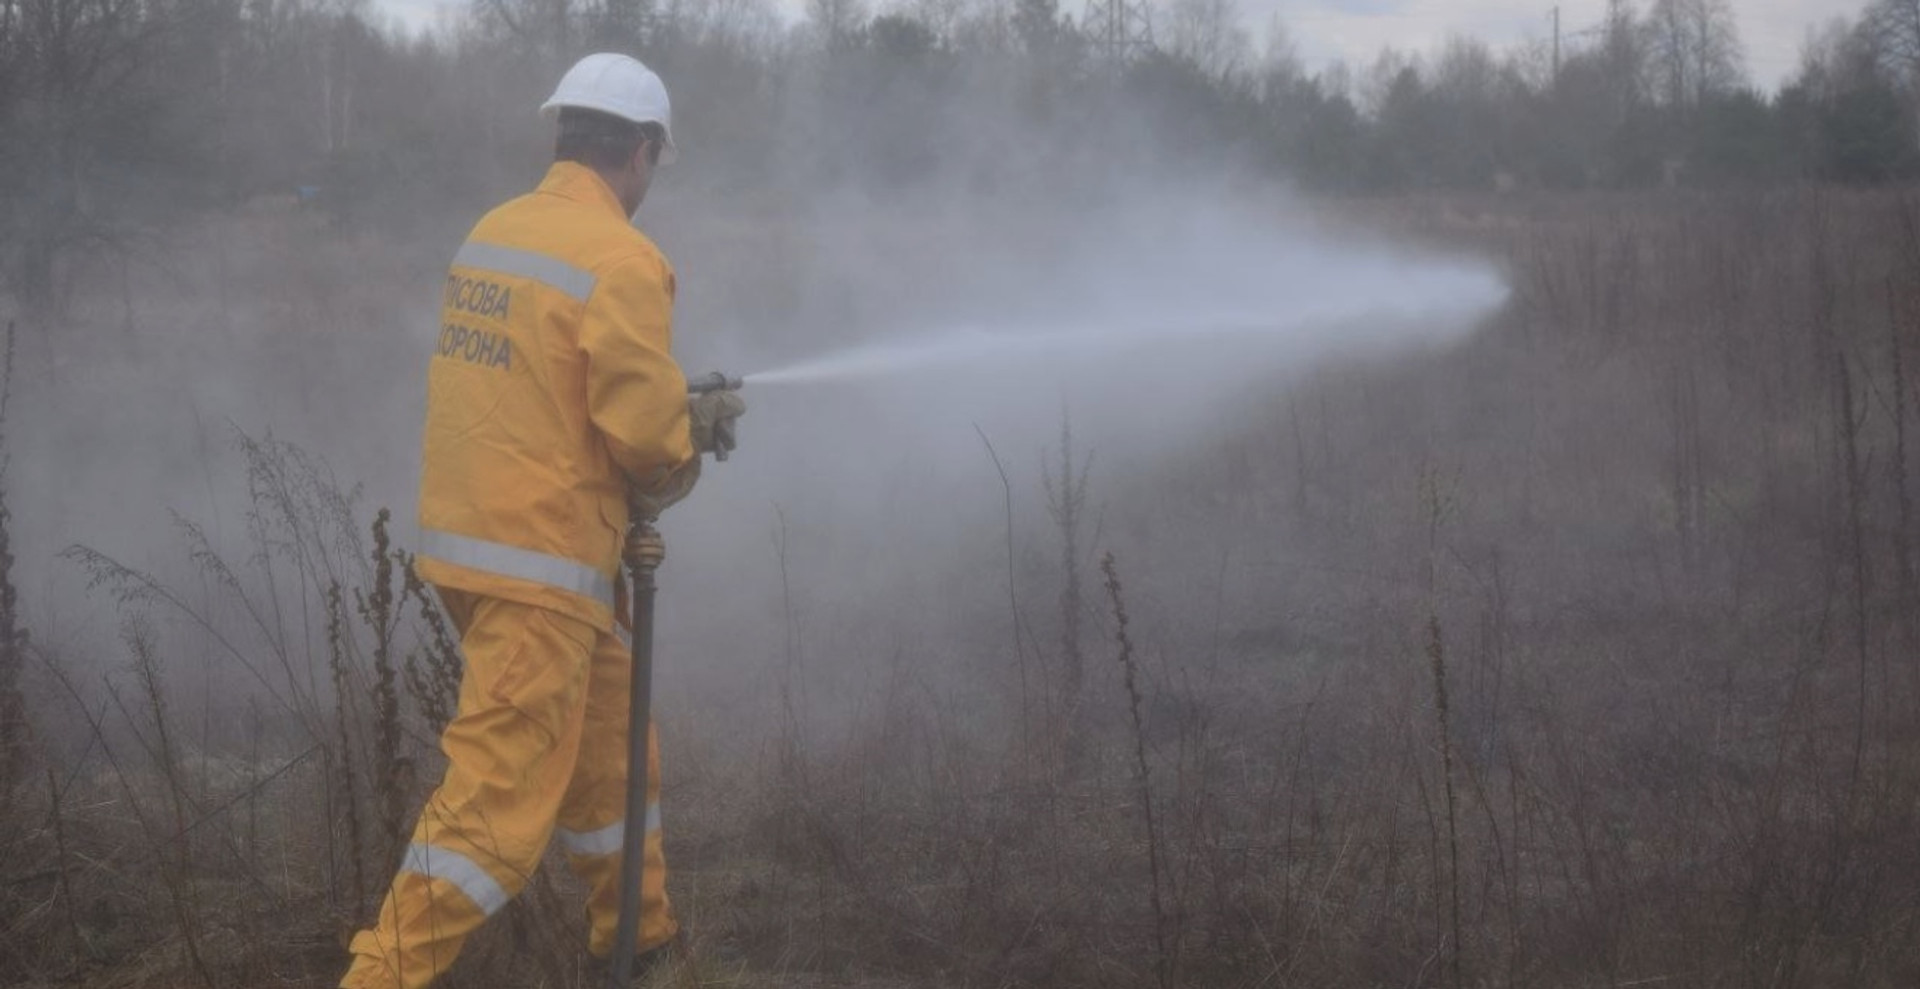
(1155, 330)
(883, 337)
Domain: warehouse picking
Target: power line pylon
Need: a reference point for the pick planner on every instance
(1121, 29)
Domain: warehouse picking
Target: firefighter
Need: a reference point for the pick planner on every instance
(552, 400)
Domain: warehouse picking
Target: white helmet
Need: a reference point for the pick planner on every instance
(618, 85)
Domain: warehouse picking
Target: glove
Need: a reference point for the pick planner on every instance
(648, 504)
(710, 417)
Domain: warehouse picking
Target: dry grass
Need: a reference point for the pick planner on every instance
(1626, 699)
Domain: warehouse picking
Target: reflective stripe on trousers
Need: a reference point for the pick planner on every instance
(461, 871)
(466, 874)
(603, 841)
(517, 562)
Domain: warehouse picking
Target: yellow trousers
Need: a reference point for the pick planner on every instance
(538, 751)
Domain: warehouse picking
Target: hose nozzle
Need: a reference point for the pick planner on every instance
(715, 381)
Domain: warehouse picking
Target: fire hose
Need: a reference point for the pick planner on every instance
(643, 553)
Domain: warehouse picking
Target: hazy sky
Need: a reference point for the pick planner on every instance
(1356, 30)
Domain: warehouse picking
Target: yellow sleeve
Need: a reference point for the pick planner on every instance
(636, 393)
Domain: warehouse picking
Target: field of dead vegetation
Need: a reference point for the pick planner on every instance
(1585, 652)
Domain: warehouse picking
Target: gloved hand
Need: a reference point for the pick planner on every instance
(710, 416)
(648, 504)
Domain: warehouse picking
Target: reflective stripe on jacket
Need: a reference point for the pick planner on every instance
(551, 383)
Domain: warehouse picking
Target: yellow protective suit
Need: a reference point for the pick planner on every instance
(551, 380)
(551, 385)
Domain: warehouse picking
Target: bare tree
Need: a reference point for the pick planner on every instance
(748, 26)
(835, 22)
(1037, 25)
(560, 29)
(943, 17)
(1208, 34)
(1694, 50)
(1279, 57)
(1623, 57)
(69, 71)
(1466, 71)
(1376, 84)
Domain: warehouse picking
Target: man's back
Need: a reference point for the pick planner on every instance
(552, 376)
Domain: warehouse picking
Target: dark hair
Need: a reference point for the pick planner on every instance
(602, 140)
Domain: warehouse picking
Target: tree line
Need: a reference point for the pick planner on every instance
(117, 115)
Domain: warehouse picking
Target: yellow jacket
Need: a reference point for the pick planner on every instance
(552, 384)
